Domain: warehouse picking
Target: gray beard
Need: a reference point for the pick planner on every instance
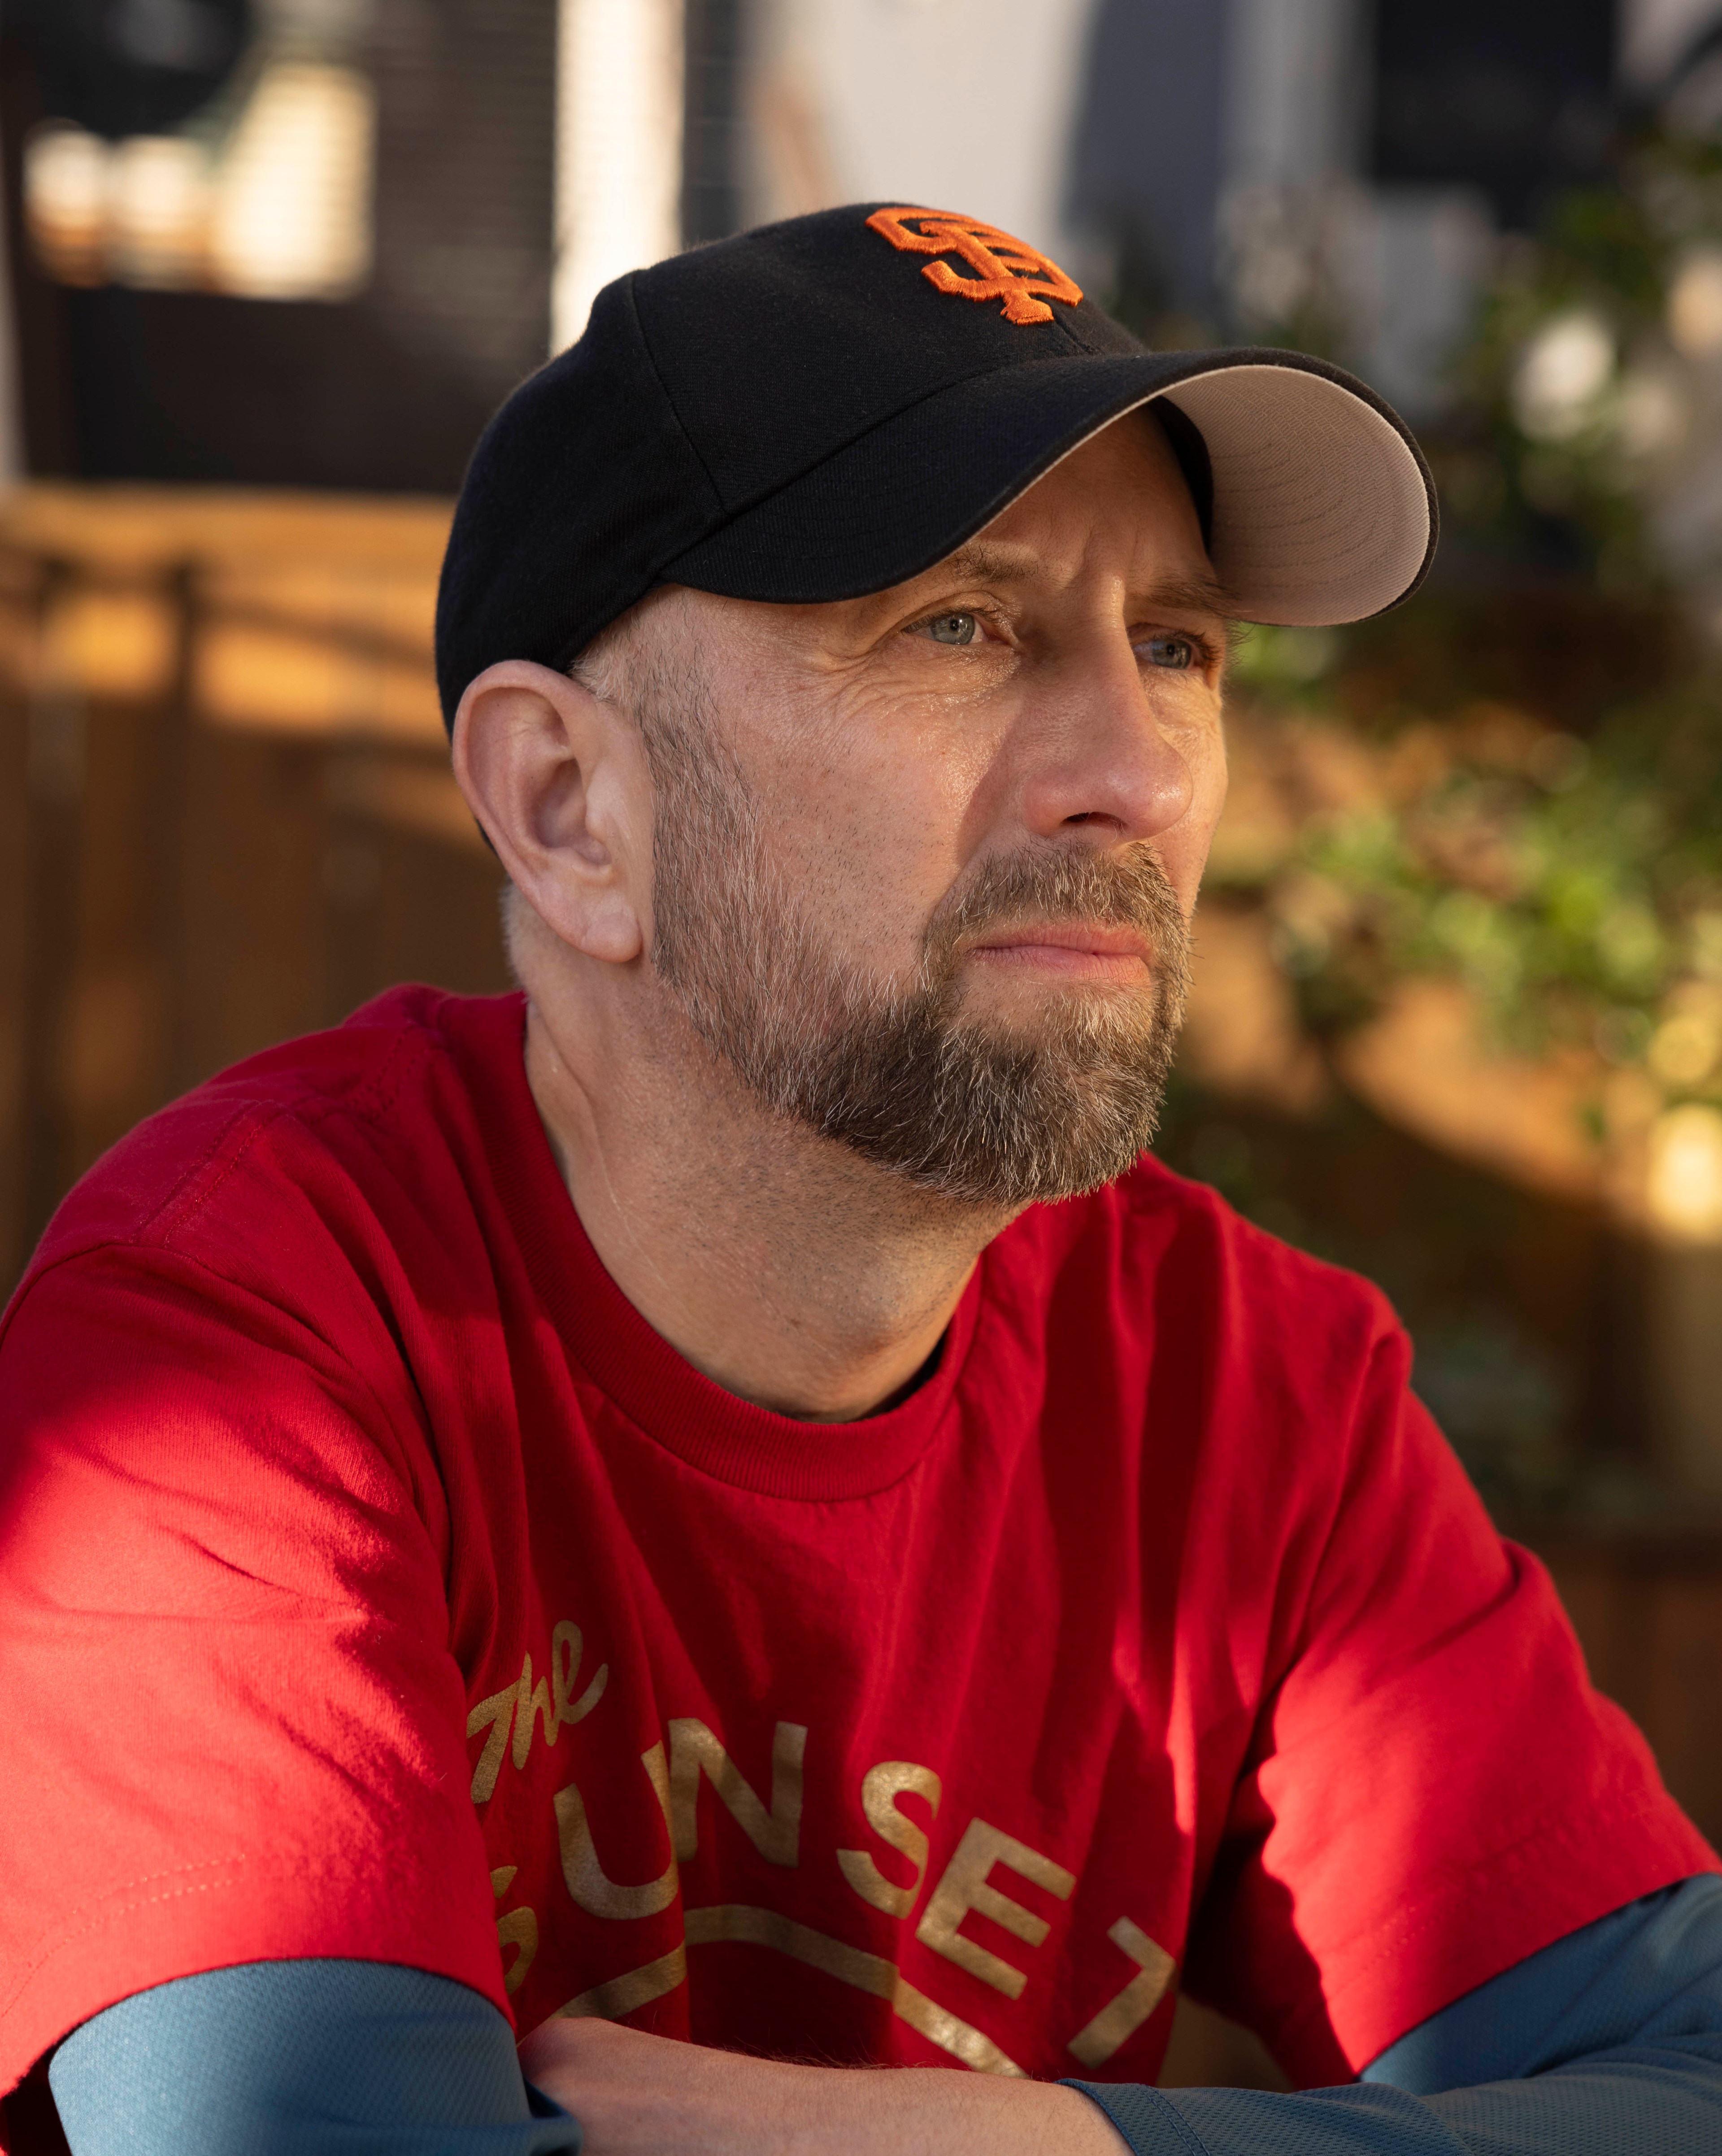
(890, 1070)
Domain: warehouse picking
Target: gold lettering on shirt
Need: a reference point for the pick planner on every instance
(532, 1703)
(497, 1713)
(775, 1834)
(736, 1924)
(869, 1973)
(566, 1645)
(518, 1706)
(964, 1886)
(884, 1784)
(590, 1886)
(1119, 2020)
(621, 1994)
(515, 1927)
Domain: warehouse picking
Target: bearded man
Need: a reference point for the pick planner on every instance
(722, 1512)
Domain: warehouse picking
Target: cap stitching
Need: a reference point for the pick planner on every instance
(575, 641)
(1083, 344)
(669, 396)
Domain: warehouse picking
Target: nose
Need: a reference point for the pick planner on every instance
(1098, 752)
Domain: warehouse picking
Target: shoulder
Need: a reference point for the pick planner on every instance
(1154, 1296)
(298, 1145)
(1165, 1243)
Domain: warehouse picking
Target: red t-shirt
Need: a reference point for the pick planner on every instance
(377, 1583)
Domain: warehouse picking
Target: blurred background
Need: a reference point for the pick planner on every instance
(270, 264)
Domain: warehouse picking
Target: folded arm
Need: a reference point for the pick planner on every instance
(1615, 2033)
(303, 2058)
(1610, 2039)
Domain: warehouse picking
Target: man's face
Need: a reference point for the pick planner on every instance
(923, 861)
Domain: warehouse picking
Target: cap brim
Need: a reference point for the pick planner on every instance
(1323, 509)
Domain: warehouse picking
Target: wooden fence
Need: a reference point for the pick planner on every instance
(228, 816)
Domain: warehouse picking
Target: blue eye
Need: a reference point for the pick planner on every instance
(953, 629)
(1177, 652)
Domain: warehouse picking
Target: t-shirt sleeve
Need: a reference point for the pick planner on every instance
(1435, 1791)
(235, 1728)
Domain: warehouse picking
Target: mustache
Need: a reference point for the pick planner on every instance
(1064, 883)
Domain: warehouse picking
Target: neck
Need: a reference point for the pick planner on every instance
(789, 1271)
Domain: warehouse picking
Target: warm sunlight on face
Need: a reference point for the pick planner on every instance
(923, 861)
(1054, 683)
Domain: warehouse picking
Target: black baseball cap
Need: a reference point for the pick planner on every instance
(820, 409)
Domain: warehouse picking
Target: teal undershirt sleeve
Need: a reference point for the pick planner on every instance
(303, 2058)
(1607, 2043)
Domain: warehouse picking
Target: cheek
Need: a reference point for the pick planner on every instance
(1208, 771)
(1186, 849)
(873, 814)
(1182, 700)
(1187, 713)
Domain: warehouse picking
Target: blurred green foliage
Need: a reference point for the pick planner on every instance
(1533, 810)
(1575, 887)
(1555, 840)
(1573, 388)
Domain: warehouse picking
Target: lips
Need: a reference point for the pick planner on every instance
(1078, 938)
(1076, 951)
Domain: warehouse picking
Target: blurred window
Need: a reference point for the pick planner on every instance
(620, 91)
(1514, 99)
(132, 67)
(265, 188)
(315, 250)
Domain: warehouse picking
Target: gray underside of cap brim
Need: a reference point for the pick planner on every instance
(1322, 511)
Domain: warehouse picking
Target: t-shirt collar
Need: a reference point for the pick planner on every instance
(654, 1386)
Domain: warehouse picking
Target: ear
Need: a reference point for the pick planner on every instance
(558, 779)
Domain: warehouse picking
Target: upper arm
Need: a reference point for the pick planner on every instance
(1435, 1789)
(235, 1730)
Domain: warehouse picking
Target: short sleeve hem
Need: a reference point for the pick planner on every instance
(219, 1914)
(1562, 1877)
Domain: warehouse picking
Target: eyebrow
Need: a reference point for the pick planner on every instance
(984, 560)
(1191, 595)
(987, 562)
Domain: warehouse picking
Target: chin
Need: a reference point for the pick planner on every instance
(1034, 1014)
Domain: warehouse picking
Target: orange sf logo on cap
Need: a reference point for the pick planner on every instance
(1006, 269)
